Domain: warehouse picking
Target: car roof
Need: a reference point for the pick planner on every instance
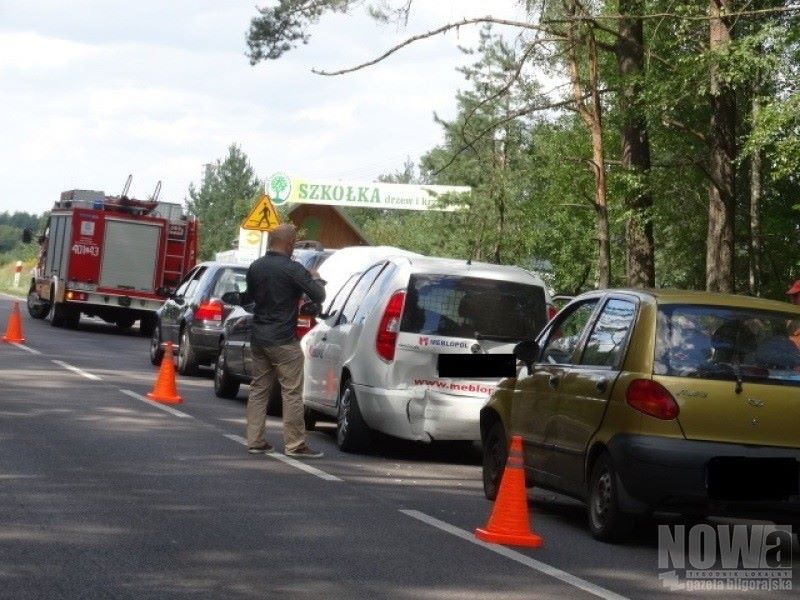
(214, 263)
(674, 296)
(447, 266)
(313, 251)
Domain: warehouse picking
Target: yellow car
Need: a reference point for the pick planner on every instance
(637, 401)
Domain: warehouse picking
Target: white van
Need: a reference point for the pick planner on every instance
(340, 265)
(371, 360)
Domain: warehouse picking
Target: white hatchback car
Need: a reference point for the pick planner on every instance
(371, 361)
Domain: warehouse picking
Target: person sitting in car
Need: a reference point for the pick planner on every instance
(781, 350)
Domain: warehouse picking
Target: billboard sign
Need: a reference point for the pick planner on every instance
(283, 189)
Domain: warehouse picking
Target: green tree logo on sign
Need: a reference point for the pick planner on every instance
(279, 187)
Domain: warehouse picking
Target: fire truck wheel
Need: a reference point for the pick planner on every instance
(125, 322)
(56, 314)
(147, 325)
(37, 308)
(156, 351)
(187, 363)
(72, 317)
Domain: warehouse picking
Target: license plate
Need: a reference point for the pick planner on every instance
(740, 478)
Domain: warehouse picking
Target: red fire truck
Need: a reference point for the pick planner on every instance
(111, 257)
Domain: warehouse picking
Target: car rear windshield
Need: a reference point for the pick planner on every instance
(311, 259)
(716, 342)
(230, 280)
(470, 307)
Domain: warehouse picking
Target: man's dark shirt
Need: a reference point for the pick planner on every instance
(276, 283)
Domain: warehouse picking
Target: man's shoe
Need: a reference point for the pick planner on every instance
(303, 451)
(260, 449)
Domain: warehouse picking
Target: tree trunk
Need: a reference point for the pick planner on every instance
(755, 212)
(722, 152)
(591, 113)
(640, 247)
(601, 207)
(502, 159)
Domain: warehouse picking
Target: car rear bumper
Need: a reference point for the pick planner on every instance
(205, 340)
(421, 415)
(672, 474)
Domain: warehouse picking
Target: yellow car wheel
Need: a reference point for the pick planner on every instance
(606, 521)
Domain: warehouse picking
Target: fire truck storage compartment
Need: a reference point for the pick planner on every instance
(58, 245)
(130, 252)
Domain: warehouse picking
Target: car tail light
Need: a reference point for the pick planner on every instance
(386, 340)
(209, 311)
(652, 398)
(552, 311)
(71, 295)
(304, 325)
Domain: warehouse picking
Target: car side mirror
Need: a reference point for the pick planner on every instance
(325, 316)
(27, 235)
(527, 352)
(234, 298)
(309, 309)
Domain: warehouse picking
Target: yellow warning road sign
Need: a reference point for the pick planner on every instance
(263, 216)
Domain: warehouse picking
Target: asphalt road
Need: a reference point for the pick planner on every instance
(104, 495)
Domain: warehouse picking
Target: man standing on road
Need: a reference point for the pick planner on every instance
(276, 283)
(794, 292)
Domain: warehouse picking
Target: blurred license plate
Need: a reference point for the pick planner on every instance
(740, 478)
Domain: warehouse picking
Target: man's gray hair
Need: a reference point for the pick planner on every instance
(282, 234)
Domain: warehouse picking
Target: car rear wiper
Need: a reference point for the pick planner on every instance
(495, 338)
(738, 374)
(721, 371)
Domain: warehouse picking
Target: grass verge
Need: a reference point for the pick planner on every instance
(7, 278)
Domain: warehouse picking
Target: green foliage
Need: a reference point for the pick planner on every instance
(224, 198)
(532, 189)
(11, 227)
(279, 28)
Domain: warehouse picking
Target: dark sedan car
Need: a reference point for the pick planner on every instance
(234, 364)
(192, 318)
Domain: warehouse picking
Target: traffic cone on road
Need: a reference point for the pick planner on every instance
(509, 523)
(13, 333)
(165, 390)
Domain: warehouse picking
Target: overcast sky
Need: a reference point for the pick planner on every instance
(92, 90)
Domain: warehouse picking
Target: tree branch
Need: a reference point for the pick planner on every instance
(435, 32)
(510, 117)
(667, 121)
(502, 90)
(668, 15)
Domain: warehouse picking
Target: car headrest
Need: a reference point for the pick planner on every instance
(733, 337)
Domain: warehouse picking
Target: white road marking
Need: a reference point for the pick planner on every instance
(297, 464)
(26, 348)
(10, 297)
(518, 557)
(75, 369)
(155, 404)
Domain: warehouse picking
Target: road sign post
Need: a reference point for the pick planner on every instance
(17, 273)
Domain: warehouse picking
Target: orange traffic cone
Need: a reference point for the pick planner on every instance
(165, 390)
(509, 523)
(13, 333)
